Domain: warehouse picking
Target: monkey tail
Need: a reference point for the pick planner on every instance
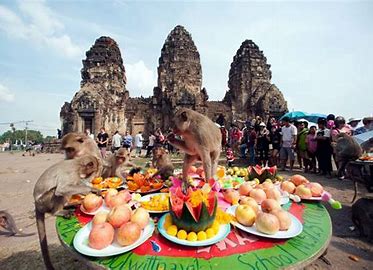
(40, 224)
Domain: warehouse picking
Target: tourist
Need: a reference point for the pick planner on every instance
(243, 143)
(151, 143)
(311, 149)
(102, 140)
(89, 134)
(127, 141)
(224, 136)
(301, 145)
(262, 144)
(138, 143)
(169, 146)
(230, 156)
(160, 139)
(275, 140)
(368, 126)
(353, 122)
(339, 127)
(324, 148)
(251, 144)
(235, 138)
(116, 141)
(288, 143)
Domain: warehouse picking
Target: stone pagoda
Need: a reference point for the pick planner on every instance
(251, 92)
(102, 97)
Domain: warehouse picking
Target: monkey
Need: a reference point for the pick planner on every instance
(201, 139)
(56, 186)
(162, 162)
(117, 163)
(7, 222)
(362, 217)
(78, 144)
(346, 149)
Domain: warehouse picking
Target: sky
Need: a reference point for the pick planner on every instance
(320, 53)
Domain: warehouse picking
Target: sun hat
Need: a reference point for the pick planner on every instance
(353, 120)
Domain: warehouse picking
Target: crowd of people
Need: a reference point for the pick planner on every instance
(276, 142)
(280, 143)
(132, 143)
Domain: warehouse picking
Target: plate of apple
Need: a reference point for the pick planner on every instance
(92, 204)
(269, 221)
(300, 186)
(115, 232)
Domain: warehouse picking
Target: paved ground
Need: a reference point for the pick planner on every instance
(17, 178)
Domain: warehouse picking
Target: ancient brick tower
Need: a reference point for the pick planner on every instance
(251, 92)
(179, 77)
(101, 100)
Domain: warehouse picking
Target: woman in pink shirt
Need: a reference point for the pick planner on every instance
(311, 149)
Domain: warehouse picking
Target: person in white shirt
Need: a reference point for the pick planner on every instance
(288, 143)
(138, 142)
(152, 139)
(117, 140)
(89, 134)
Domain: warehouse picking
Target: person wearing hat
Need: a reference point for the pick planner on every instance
(262, 144)
(353, 122)
(288, 143)
(324, 149)
(368, 126)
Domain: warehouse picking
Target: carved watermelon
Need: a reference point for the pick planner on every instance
(262, 173)
(190, 218)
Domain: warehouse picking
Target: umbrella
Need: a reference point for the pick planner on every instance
(313, 117)
(363, 137)
(294, 115)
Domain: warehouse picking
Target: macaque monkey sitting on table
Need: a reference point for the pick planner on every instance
(117, 164)
(56, 186)
(162, 162)
(201, 139)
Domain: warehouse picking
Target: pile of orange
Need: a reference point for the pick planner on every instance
(142, 183)
(111, 182)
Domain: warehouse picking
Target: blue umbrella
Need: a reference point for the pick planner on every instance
(313, 117)
(294, 115)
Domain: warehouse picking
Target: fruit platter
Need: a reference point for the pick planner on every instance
(271, 221)
(155, 203)
(144, 183)
(103, 184)
(194, 218)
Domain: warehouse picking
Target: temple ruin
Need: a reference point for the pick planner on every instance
(103, 100)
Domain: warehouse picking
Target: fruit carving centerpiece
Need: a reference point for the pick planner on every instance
(262, 173)
(194, 211)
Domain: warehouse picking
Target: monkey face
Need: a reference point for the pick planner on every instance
(72, 144)
(181, 121)
(87, 166)
(122, 156)
(159, 152)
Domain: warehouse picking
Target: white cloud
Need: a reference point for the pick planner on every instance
(38, 24)
(5, 94)
(140, 79)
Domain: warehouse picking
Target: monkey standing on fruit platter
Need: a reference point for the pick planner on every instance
(162, 162)
(201, 139)
(55, 187)
(116, 164)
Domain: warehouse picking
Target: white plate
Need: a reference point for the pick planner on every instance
(223, 232)
(81, 242)
(147, 198)
(284, 200)
(102, 208)
(296, 227)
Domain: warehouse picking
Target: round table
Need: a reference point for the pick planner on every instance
(238, 251)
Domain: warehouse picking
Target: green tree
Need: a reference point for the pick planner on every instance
(32, 135)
